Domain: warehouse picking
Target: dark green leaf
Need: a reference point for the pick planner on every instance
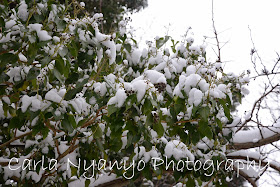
(204, 129)
(59, 65)
(204, 113)
(2, 22)
(159, 129)
(8, 58)
(66, 124)
(127, 46)
(15, 123)
(147, 107)
(32, 74)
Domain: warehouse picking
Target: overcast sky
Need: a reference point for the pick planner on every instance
(232, 19)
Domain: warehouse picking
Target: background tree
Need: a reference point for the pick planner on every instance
(113, 11)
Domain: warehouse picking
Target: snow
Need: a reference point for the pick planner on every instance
(140, 86)
(42, 34)
(26, 101)
(195, 97)
(178, 150)
(52, 95)
(22, 57)
(155, 76)
(10, 24)
(256, 134)
(80, 105)
(105, 40)
(22, 11)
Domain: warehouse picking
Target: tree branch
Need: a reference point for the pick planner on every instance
(14, 139)
(248, 145)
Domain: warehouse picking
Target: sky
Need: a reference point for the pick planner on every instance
(232, 21)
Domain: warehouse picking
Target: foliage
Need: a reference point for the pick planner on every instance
(113, 11)
(69, 92)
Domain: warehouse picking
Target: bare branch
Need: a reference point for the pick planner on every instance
(248, 145)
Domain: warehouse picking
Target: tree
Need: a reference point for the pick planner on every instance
(78, 106)
(113, 11)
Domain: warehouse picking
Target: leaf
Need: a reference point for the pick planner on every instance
(204, 113)
(204, 129)
(112, 109)
(4, 77)
(59, 65)
(147, 107)
(61, 24)
(127, 46)
(32, 74)
(2, 22)
(15, 123)
(149, 120)
(72, 120)
(97, 131)
(58, 75)
(72, 93)
(8, 58)
(129, 101)
(161, 41)
(159, 129)
(66, 124)
(219, 123)
(99, 144)
(73, 49)
(226, 109)
(45, 132)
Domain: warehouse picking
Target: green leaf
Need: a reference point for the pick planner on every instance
(2, 22)
(161, 41)
(204, 113)
(159, 129)
(226, 108)
(58, 75)
(66, 124)
(72, 93)
(4, 77)
(59, 65)
(129, 101)
(127, 46)
(97, 131)
(99, 144)
(73, 49)
(15, 123)
(149, 119)
(8, 58)
(147, 107)
(204, 129)
(72, 120)
(45, 132)
(112, 109)
(61, 24)
(219, 123)
(32, 74)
